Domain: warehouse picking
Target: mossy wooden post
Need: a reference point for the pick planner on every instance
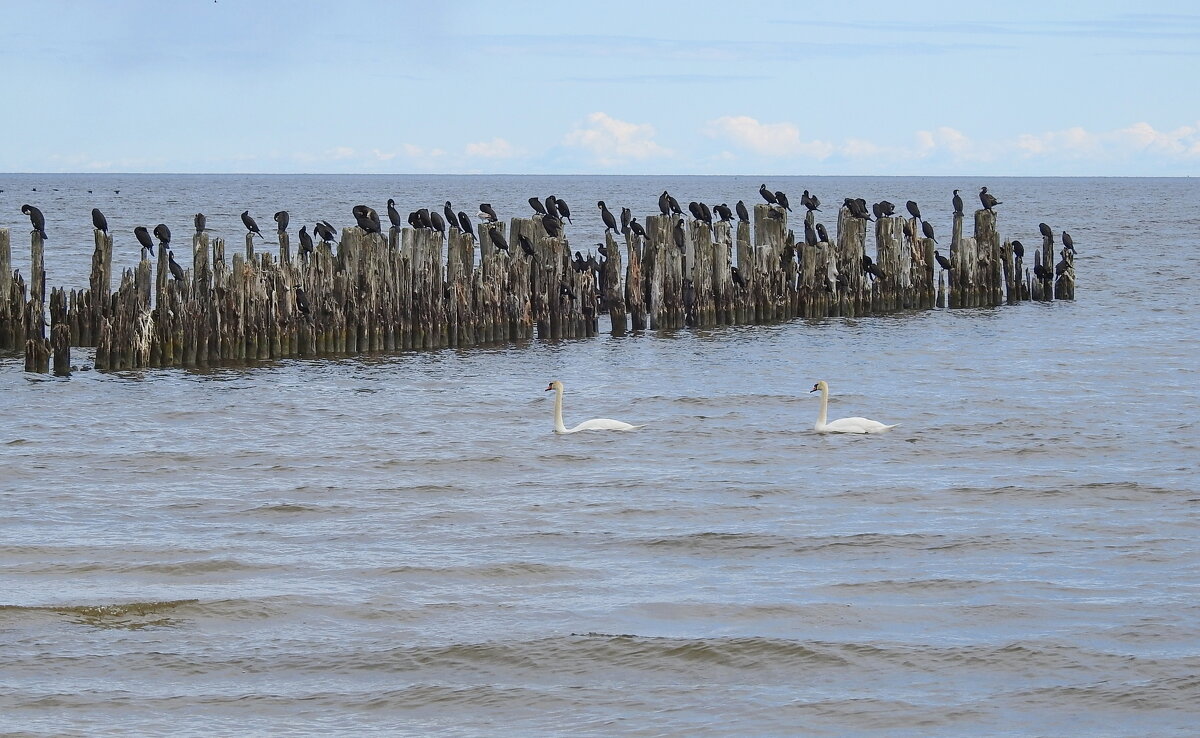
(8, 330)
(987, 241)
(635, 292)
(614, 295)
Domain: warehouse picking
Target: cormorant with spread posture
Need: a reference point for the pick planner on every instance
(176, 270)
(394, 214)
(1018, 250)
(99, 222)
(301, 300)
(810, 202)
(913, 210)
(942, 261)
(988, 201)
(552, 225)
(957, 202)
(325, 232)
(36, 219)
(782, 200)
(607, 217)
(489, 212)
(526, 244)
(163, 234)
(200, 222)
(281, 221)
(251, 226)
(306, 242)
(143, 237)
(742, 213)
(927, 229)
(537, 206)
(767, 195)
(1068, 242)
(464, 223)
(563, 210)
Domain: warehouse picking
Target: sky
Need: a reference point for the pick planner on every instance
(912, 87)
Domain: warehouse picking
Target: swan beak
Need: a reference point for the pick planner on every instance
(548, 388)
(814, 389)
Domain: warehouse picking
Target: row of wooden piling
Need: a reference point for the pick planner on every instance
(413, 288)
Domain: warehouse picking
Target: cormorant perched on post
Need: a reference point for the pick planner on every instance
(489, 212)
(367, 219)
(552, 206)
(99, 222)
(281, 221)
(537, 206)
(163, 234)
(782, 200)
(674, 204)
(822, 234)
(36, 219)
(499, 242)
(742, 213)
(251, 226)
(723, 212)
(451, 218)
(436, 222)
(679, 236)
(607, 217)
(767, 195)
(877, 208)
(1045, 231)
(626, 216)
(325, 231)
(464, 223)
(1068, 242)
(927, 229)
(1018, 249)
(176, 270)
(552, 225)
(887, 208)
(565, 290)
(705, 214)
(810, 202)
(579, 264)
(957, 202)
(394, 214)
(737, 277)
(414, 219)
(301, 300)
(425, 218)
(664, 204)
(810, 235)
(526, 244)
(563, 210)
(694, 209)
(306, 242)
(200, 222)
(942, 261)
(637, 228)
(913, 210)
(143, 237)
(1042, 273)
(988, 201)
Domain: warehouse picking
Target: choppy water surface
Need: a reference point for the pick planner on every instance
(400, 543)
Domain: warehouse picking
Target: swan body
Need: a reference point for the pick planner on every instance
(594, 424)
(843, 425)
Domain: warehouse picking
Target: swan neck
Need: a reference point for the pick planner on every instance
(822, 414)
(558, 421)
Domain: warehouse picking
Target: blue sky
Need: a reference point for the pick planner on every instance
(895, 88)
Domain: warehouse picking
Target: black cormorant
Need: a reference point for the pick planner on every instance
(499, 242)
(942, 261)
(36, 219)
(251, 226)
(988, 201)
(301, 300)
(782, 200)
(927, 229)
(143, 237)
(913, 210)
(489, 212)
(306, 242)
(176, 270)
(464, 223)
(200, 222)
(607, 217)
(394, 214)
(767, 195)
(537, 206)
(281, 220)
(563, 210)
(957, 201)
(99, 222)
(163, 234)
(742, 213)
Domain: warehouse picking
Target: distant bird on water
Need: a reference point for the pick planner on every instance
(163, 234)
(958, 204)
(607, 217)
(281, 220)
(251, 226)
(36, 219)
(143, 237)
(176, 270)
(988, 201)
(99, 222)
(767, 195)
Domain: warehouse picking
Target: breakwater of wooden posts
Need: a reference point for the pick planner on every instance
(415, 288)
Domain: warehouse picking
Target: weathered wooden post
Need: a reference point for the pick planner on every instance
(722, 276)
(701, 246)
(7, 329)
(770, 225)
(635, 281)
(37, 348)
(1064, 284)
(614, 295)
(987, 241)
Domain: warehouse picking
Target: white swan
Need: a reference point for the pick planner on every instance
(843, 425)
(594, 424)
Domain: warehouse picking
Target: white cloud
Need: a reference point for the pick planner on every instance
(497, 148)
(767, 139)
(613, 141)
